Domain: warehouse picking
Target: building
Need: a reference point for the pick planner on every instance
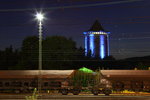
(96, 41)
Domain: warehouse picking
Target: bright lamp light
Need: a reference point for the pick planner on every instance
(39, 16)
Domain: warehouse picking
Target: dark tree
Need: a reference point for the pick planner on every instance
(29, 53)
(8, 58)
(58, 52)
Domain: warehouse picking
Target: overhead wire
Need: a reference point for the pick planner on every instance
(72, 6)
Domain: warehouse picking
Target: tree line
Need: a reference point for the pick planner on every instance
(60, 53)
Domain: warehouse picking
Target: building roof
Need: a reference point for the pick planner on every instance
(126, 74)
(96, 27)
(35, 73)
(120, 75)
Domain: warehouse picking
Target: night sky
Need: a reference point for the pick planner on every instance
(127, 20)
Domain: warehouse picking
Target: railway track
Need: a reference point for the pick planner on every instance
(78, 97)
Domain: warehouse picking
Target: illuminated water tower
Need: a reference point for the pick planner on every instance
(97, 41)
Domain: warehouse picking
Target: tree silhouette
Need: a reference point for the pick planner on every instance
(29, 53)
(58, 52)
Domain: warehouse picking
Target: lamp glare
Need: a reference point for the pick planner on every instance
(39, 16)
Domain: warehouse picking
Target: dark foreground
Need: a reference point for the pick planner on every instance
(77, 97)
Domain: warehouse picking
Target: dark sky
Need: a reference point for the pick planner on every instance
(127, 20)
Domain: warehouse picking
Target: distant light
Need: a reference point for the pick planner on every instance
(39, 16)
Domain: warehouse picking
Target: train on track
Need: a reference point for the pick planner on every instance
(65, 81)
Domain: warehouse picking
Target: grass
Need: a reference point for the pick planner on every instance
(34, 96)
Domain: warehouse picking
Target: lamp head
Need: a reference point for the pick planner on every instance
(39, 16)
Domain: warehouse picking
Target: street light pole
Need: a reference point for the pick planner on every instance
(40, 17)
(40, 56)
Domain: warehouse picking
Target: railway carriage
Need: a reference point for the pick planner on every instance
(24, 81)
(134, 80)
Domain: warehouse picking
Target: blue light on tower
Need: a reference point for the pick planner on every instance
(86, 44)
(97, 41)
(102, 51)
(92, 46)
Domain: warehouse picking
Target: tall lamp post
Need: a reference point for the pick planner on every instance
(40, 17)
